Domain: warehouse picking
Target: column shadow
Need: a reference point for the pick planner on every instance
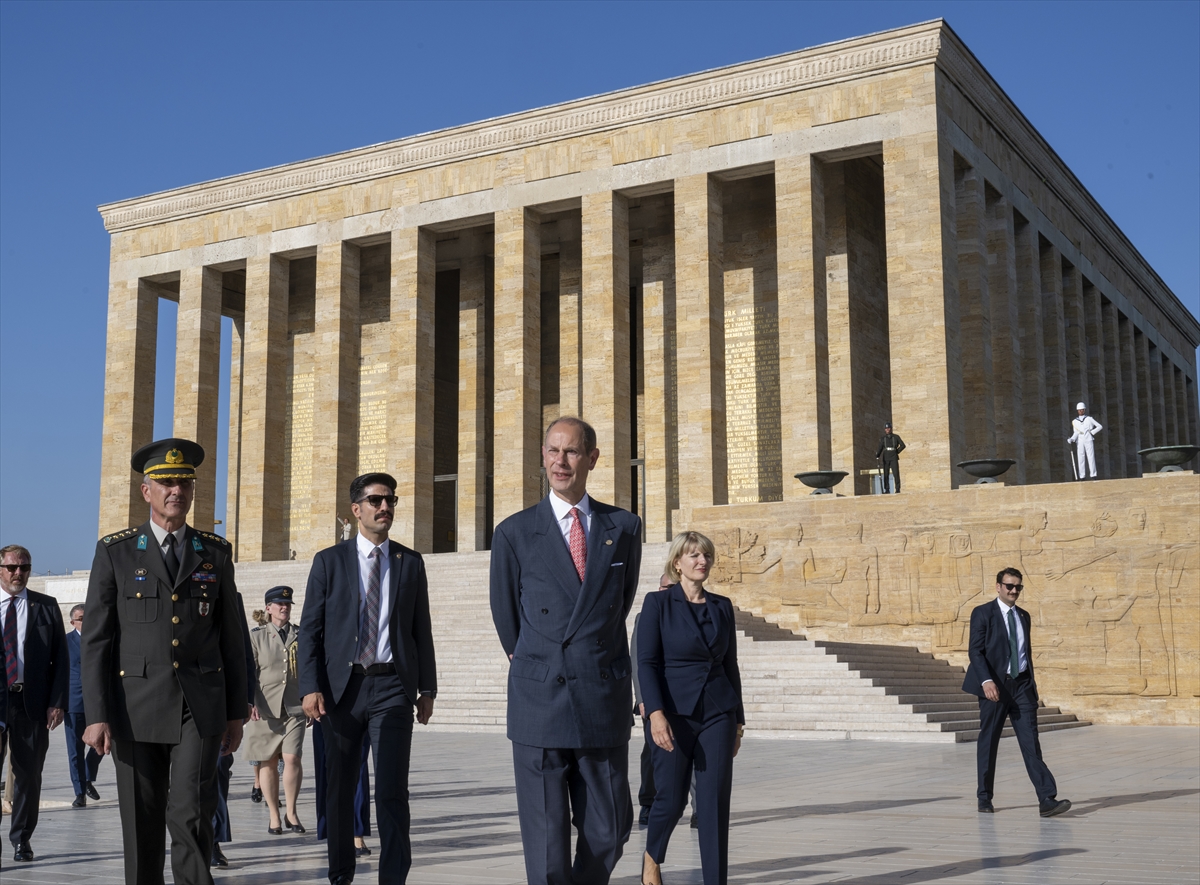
(771, 869)
(960, 868)
(1090, 806)
(766, 815)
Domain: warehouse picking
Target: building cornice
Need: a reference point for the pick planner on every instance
(819, 66)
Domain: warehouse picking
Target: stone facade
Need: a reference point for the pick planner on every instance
(735, 276)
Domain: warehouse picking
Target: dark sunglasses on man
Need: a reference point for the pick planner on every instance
(18, 567)
(376, 500)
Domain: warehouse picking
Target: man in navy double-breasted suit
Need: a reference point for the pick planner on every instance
(563, 577)
(1001, 675)
(366, 664)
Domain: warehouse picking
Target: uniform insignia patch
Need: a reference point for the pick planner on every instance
(140, 572)
(203, 609)
(608, 542)
(139, 577)
(141, 542)
(119, 536)
(174, 456)
(203, 576)
(197, 546)
(208, 566)
(213, 537)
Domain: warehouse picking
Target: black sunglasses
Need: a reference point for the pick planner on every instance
(376, 500)
(1017, 587)
(19, 567)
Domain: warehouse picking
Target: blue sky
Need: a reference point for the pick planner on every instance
(104, 101)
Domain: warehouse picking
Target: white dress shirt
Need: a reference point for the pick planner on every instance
(21, 601)
(161, 534)
(1022, 645)
(562, 512)
(383, 645)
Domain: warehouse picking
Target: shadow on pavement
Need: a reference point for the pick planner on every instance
(1088, 806)
(765, 815)
(960, 868)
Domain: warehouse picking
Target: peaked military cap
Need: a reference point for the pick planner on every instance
(279, 594)
(168, 459)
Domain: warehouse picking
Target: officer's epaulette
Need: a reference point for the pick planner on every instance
(216, 538)
(119, 536)
(256, 629)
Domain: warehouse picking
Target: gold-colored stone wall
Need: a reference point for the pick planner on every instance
(1112, 579)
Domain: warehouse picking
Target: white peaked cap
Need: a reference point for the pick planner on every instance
(1080, 406)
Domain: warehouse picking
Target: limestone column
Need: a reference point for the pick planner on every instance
(1129, 397)
(472, 400)
(1059, 405)
(234, 465)
(1141, 352)
(840, 328)
(335, 394)
(1008, 393)
(265, 363)
(1172, 418)
(923, 312)
(660, 430)
(1156, 398)
(570, 329)
(1033, 352)
(606, 350)
(517, 406)
(197, 377)
(1114, 389)
(132, 342)
(803, 319)
(1097, 383)
(700, 341)
(411, 401)
(977, 363)
(1077, 362)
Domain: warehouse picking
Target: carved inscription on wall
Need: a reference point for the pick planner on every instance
(372, 414)
(298, 446)
(752, 404)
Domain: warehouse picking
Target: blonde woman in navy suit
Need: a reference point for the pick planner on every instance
(688, 673)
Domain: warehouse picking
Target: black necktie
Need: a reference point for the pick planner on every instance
(170, 559)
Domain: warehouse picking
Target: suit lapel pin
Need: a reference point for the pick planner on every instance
(398, 555)
(141, 542)
(608, 542)
(140, 572)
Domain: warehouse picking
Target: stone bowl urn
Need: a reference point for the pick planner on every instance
(822, 481)
(986, 469)
(1169, 459)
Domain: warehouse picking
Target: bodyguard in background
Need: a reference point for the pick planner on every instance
(84, 761)
(36, 674)
(367, 664)
(687, 666)
(164, 669)
(1001, 675)
(563, 577)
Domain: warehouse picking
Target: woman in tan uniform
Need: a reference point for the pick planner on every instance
(277, 722)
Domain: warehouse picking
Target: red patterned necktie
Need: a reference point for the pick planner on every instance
(10, 643)
(578, 543)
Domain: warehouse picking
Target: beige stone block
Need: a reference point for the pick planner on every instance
(739, 122)
(570, 307)
(460, 178)
(197, 379)
(641, 143)
(659, 424)
(233, 467)
(517, 408)
(551, 160)
(411, 404)
(473, 420)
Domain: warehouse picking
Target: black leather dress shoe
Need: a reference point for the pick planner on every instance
(24, 853)
(218, 856)
(296, 827)
(80, 801)
(256, 795)
(985, 806)
(361, 851)
(340, 880)
(275, 831)
(91, 791)
(1051, 807)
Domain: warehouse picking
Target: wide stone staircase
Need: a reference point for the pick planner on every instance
(792, 687)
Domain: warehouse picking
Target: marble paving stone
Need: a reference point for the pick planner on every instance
(851, 812)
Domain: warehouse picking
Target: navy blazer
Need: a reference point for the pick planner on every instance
(328, 643)
(569, 677)
(675, 664)
(45, 655)
(989, 649)
(75, 694)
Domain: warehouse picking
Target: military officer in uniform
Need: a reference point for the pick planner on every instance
(890, 447)
(164, 669)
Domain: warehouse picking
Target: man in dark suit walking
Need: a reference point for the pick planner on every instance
(84, 761)
(35, 672)
(1001, 675)
(164, 669)
(563, 578)
(366, 663)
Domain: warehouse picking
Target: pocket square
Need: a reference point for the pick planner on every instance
(615, 564)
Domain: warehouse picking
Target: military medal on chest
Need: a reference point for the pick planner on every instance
(204, 608)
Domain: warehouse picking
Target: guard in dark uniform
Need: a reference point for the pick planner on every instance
(890, 447)
(164, 669)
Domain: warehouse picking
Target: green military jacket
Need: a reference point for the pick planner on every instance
(150, 644)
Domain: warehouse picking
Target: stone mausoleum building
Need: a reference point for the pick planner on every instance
(735, 276)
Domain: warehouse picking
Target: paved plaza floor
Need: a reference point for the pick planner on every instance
(853, 812)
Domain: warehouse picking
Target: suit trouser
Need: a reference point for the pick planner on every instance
(221, 828)
(892, 467)
(705, 746)
(27, 740)
(362, 793)
(591, 783)
(646, 791)
(84, 761)
(1018, 701)
(379, 706)
(175, 782)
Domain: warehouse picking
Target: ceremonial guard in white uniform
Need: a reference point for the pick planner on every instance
(1086, 427)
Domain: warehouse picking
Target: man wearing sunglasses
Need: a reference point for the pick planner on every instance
(366, 664)
(1001, 675)
(36, 671)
